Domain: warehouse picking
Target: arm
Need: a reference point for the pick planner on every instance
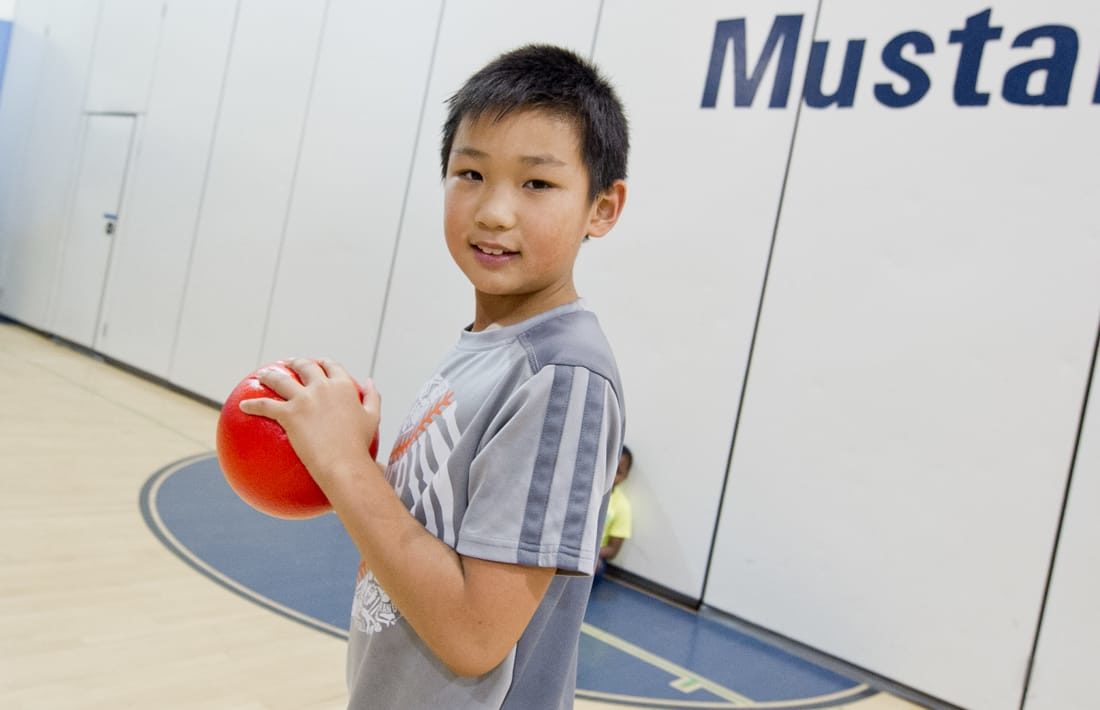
(470, 612)
(608, 551)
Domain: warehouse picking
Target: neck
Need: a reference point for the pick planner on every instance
(507, 310)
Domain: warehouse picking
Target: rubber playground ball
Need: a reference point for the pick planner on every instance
(258, 461)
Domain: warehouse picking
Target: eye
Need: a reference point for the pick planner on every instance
(537, 185)
(471, 175)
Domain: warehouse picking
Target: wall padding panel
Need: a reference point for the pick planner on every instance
(158, 221)
(1064, 675)
(430, 300)
(256, 143)
(677, 282)
(351, 181)
(918, 376)
(127, 38)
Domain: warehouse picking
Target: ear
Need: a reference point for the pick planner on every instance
(606, 209)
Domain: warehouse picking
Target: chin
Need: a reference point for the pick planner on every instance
(497, 292)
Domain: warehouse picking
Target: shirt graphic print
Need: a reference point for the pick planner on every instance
(427, 434)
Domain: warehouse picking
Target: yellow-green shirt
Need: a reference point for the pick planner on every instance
(617, 523)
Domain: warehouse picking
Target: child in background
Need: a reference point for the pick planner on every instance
(618, 524)
(479, 539)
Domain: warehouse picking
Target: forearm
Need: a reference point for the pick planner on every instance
(468, 611)
(608, 551)
(424, 577)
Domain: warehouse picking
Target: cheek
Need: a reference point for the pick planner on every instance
(452, 218)
(558, 225)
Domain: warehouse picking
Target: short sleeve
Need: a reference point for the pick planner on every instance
(539, 480)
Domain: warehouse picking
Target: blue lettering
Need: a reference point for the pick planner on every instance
(785, 29)
(917, 77)
(1058, 67)
(1023, 85)
(978, 31)
(845, 95)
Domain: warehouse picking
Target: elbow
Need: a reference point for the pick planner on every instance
(471, 662)
(466, 669)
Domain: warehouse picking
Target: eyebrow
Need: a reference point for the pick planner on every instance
(541, 160)
(535, 160)
(469, 152)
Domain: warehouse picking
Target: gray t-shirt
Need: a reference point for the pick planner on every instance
(507, 455)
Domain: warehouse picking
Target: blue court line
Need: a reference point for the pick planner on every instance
(635, 649)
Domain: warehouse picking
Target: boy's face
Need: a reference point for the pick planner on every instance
(623, 470)
(516, 210)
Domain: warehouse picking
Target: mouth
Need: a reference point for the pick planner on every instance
(493, 255)
(491, 250)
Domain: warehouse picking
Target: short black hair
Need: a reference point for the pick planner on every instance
(629, 454)
(549, 78)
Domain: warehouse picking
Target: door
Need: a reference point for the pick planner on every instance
(92, 224)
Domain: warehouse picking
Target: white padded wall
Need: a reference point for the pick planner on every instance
(677, 282)
(351, 180)
(247, 190)
(125, 55)
(430, 300)
(919, 370)
(44, 184)
(157, 225)
(1064, 674)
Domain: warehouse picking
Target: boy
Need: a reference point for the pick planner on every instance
(618, 522)
(479, 538)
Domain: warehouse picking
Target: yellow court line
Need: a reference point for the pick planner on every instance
(735, 699)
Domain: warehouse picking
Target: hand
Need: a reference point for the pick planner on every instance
(327, 425)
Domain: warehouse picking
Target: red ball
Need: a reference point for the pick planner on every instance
(258, 461)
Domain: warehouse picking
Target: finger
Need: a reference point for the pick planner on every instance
(261, 407)
(334, 370)
(338, 373)
(279, 381)
(308, 370)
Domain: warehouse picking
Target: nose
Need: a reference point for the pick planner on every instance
(495, 211)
